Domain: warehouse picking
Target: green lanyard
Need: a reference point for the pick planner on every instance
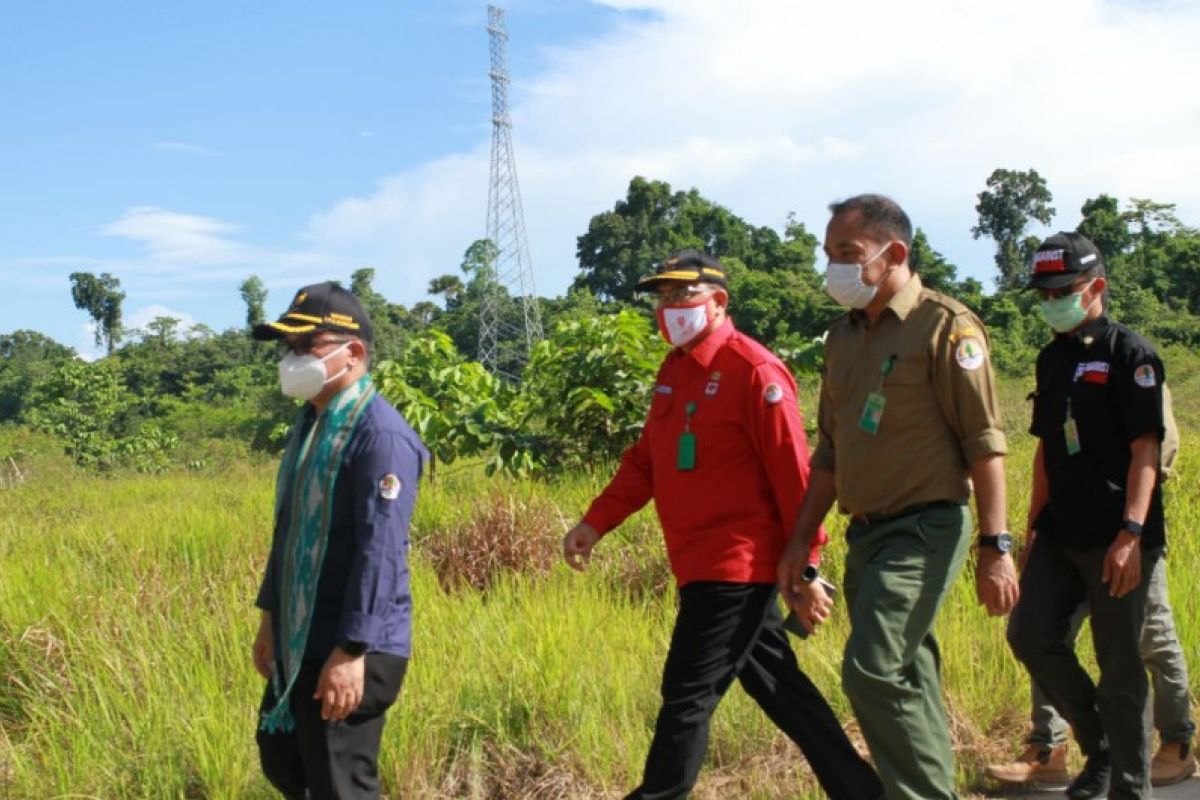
(685, 457)
(872, 413)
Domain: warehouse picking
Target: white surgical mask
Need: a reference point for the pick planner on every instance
(845, 285)
(303, 377)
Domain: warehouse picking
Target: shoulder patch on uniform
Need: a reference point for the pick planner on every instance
(389, 487)
(772, 394)
(969, 353)
(1144, 377)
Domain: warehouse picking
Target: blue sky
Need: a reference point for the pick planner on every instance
(184, 146)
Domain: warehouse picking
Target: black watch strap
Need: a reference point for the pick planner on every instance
(1132, 526)
(1002, 541)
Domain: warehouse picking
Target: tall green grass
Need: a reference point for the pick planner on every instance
(126, 620)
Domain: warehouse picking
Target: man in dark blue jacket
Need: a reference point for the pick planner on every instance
(336, 629)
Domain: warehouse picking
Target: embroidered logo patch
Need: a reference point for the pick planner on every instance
(1144, 376)
(1092, 372)
(710, 388)
(772, 394)
(969, 353)
(389, 487)
(1049, 261)
(662, 389)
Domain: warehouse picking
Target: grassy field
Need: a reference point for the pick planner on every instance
(126, 620)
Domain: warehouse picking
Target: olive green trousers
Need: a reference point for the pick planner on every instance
(898, 572)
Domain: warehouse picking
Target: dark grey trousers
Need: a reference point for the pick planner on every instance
(1108, 714)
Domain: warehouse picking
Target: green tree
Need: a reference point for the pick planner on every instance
(450, 287)
(1106, 225)
(936, 272)
(101, 297)
(25, 358)
(254, 294)
(652, 222)
(1012, 200)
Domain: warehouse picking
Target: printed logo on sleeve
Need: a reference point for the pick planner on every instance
(969, 353)
(772, 394)
(1144, 376)
(389, 487)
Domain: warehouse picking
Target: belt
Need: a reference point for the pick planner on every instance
(874, 518)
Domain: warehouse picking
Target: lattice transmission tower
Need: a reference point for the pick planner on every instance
(509, 320)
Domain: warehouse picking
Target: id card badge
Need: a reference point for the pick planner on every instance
(1071, 434)
(685, 457)
(872, 413)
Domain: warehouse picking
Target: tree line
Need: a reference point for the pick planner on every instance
(583, 392)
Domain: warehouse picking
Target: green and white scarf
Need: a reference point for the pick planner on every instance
(306, 479)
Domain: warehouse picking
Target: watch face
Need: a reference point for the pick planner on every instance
(810, 574)
(1004, 542)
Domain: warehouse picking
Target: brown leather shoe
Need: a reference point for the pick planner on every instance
(1172, 763)
(1035, 765)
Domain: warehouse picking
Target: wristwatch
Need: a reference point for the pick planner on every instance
(352, 648)
(1002, 541)
(1132, 526)
(810, 573)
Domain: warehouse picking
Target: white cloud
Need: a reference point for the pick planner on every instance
(139, 319)
(187, 149)
(770, 106)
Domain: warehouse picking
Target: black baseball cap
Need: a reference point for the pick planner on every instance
(1061, 259)
(686, 265)
(320, 307)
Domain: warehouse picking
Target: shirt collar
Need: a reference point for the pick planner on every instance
(706, 351)
(902, 302)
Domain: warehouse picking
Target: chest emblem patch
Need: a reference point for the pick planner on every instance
(710, 388)
(389, 487)
(1092, 372)
(772, 394)
(1144, 377)
(969, 353)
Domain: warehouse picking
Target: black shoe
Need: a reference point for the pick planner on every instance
(1093, 781)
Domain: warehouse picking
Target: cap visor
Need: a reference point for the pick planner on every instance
(277, 330)
(1052, 281)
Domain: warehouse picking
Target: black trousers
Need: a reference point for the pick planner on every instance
(1109, 715)
(331, 760)
(728, 630)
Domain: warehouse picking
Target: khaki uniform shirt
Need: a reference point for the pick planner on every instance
(940, 411)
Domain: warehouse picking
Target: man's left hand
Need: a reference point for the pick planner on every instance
(1123, 565)
(996, 581)
(340, 687)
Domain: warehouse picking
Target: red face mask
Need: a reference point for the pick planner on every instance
(683, 323)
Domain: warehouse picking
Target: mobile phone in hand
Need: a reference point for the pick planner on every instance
(792, 624)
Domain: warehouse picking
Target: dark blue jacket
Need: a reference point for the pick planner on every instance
(363, 591)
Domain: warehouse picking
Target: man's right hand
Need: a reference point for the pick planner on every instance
(264, 647)
(577, 545)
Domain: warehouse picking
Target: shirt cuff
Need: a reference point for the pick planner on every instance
(990, 442)
(359, 626)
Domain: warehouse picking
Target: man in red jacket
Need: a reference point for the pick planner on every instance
(724, 457)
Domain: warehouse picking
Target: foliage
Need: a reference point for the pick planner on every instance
(587, 388)
(254, 295)
(455, 405)
(101, 297)
(86, 405)
(1011, 201)
(25, 357)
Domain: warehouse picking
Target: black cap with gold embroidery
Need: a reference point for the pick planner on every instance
(686, 265)
(320, 307)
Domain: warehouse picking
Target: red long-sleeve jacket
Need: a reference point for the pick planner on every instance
(730, 517)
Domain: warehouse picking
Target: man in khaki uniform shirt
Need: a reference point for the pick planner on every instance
(908, 420)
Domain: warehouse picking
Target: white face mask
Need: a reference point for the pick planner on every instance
(680, 324)
(845, 285)
(303, 377)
